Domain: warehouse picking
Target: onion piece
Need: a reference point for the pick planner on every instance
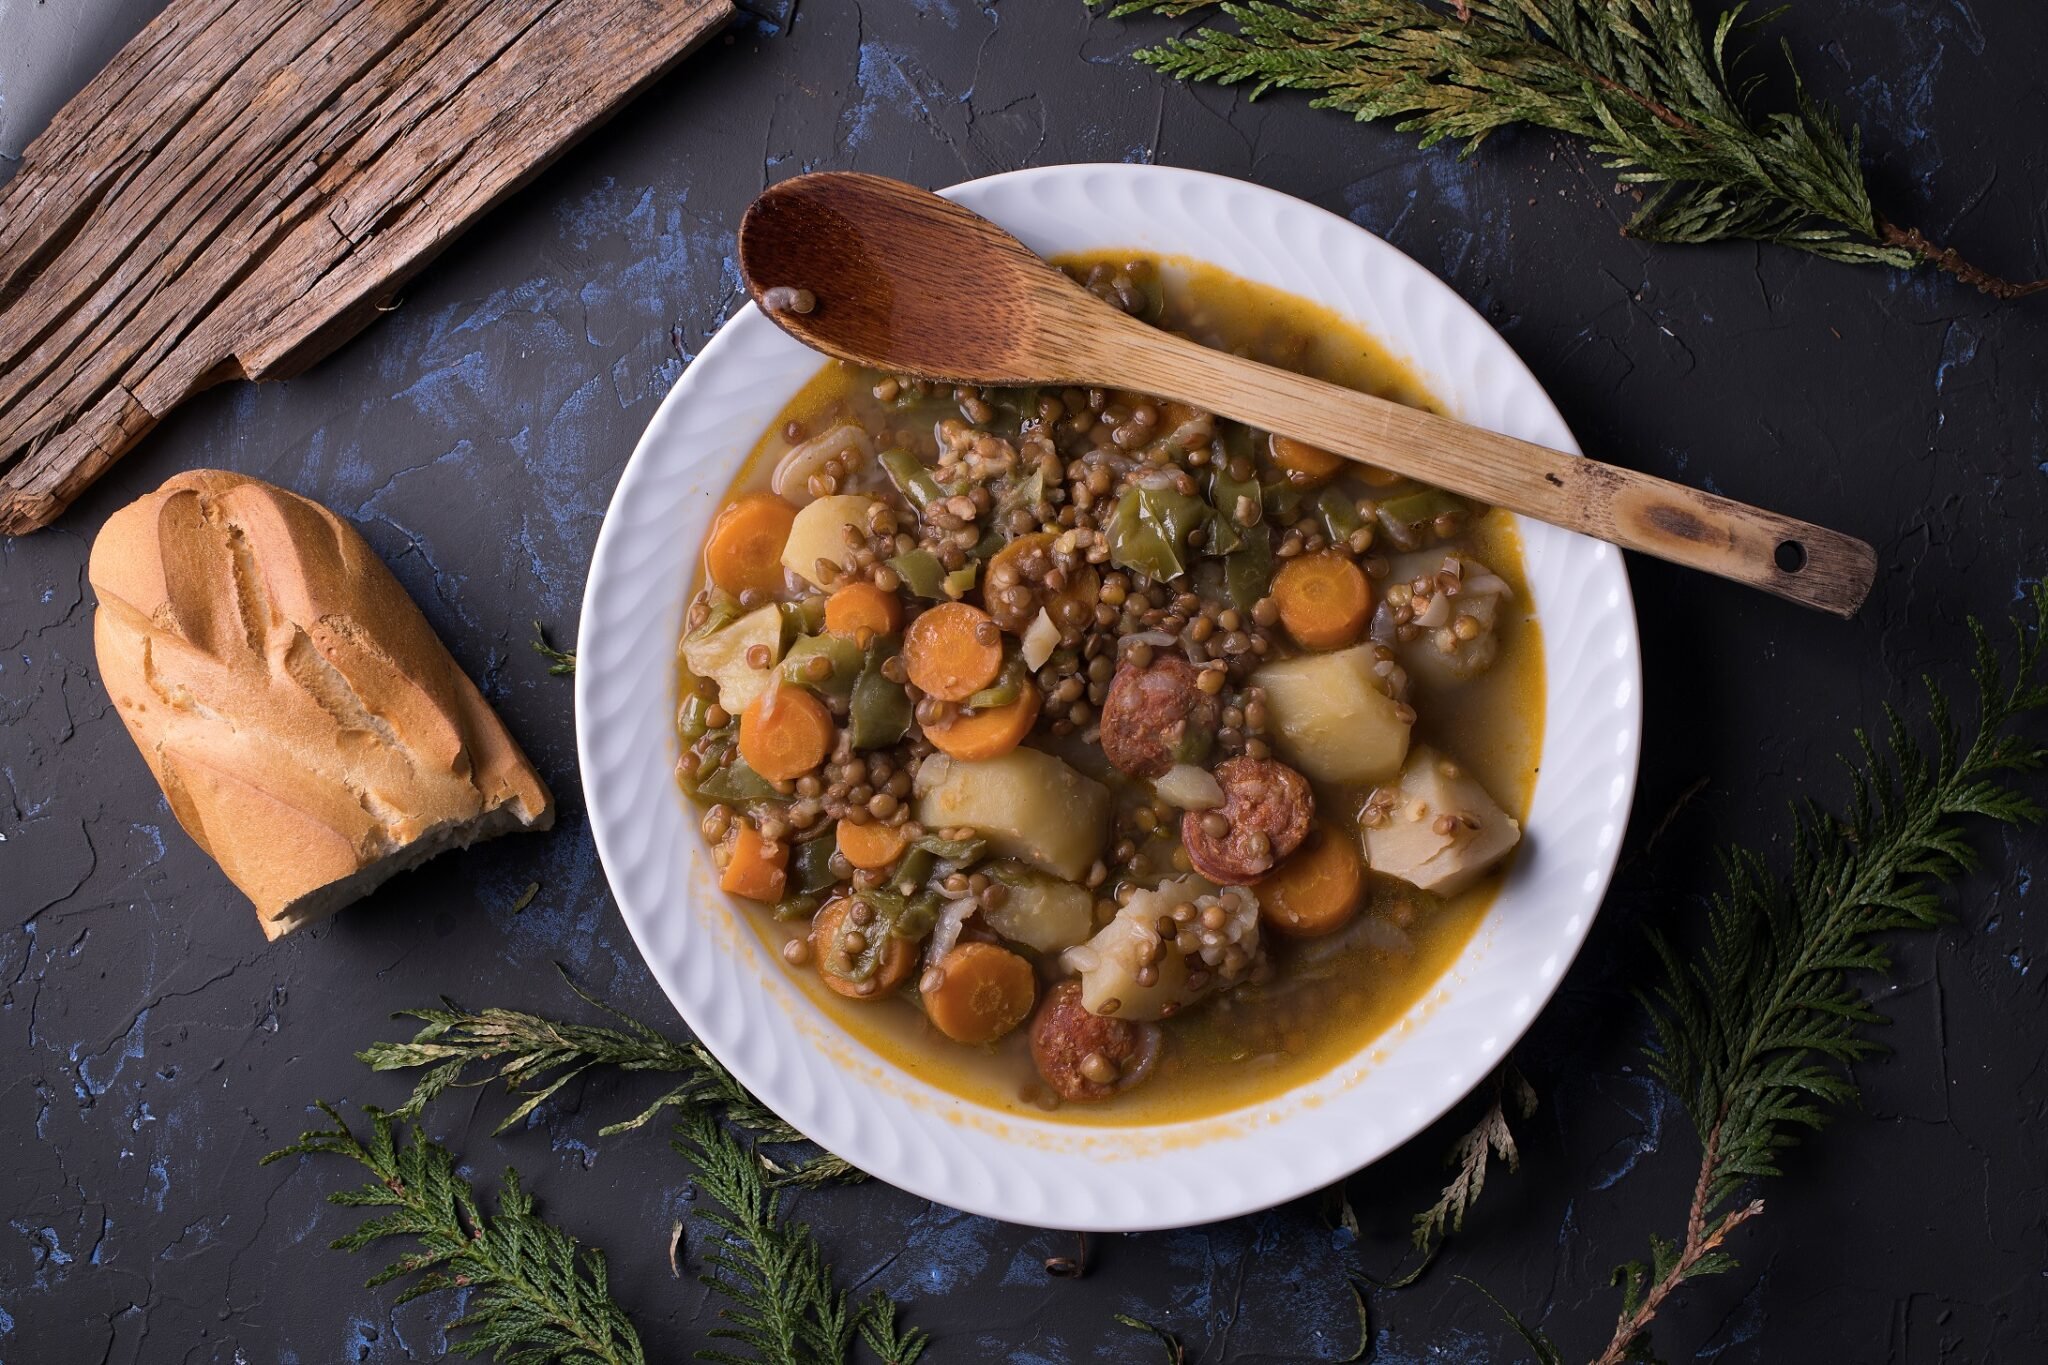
(946, 932)
(792, 477)
(1483, 584)
(931, 773)
(1158, 639)
(1151, 1042)
(1041, 638)
(1189, 788)
(1437, 613)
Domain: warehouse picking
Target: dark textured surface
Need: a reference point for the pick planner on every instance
(158, 1048)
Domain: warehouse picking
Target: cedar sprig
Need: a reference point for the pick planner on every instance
(536, 1056)
(561, 662)
(1753, 1029)
(533, 1296)
(1660, 97)
(1471, 1154)
(783, 1306)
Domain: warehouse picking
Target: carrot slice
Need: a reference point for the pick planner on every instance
(1316, 891)
(1324, 600)
(873, 846)
(982, 992)
(750, 871)
(1305, 466)
(862, 606)
(784, 733)
(990, 733)
(829, 932)
(744, 549)
(953, 651)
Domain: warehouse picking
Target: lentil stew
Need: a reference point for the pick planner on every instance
(1090, 755)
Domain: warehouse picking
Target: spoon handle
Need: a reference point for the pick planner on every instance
(1794, 559)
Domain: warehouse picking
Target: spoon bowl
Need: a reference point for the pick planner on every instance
(900, 279)
(892, 277)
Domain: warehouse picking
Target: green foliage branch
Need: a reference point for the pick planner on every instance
(1659, 96)
(534, 1057)
(1754, 1030)
(534, 1296)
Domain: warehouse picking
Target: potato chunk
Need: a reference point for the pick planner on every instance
(1441, 830)
(1027, 804)
(1331, 717)
(722, 657)
(1437, 656)
(1111, 961)
(819, 532)
(1041, 912)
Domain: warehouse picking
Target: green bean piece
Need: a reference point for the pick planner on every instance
(922, 573)
(690, 716)
(919, 487)
(878, 714)
(842, 654)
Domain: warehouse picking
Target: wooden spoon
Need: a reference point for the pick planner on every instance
(895, 278)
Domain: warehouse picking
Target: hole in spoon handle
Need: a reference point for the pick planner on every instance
(1789, 558)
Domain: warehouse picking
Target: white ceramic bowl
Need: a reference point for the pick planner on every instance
(737, 998)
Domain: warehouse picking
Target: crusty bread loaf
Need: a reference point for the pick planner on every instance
(309, 729)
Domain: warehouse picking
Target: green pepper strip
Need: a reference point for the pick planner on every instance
(690, 717)
(919, 487)
(1009, 683)
(1407, 519)
(1248, 572)
(1339, 514)
(922, 573)
(841, 653)
(725, 609)
(810, 865)
(959, 852)
(913, 871)
(1229, 533)
(895, 917)
(1150, 530)
(736, 782)
(879, 713)
(960, 582)
(800, 906)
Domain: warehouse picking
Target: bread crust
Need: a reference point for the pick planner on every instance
(308, 728)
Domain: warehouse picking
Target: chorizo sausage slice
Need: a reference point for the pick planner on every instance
(1156, 716)
(1085, 1056)
(1266, 813)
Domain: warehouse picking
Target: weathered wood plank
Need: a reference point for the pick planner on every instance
(139, 247)
(245, 182)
